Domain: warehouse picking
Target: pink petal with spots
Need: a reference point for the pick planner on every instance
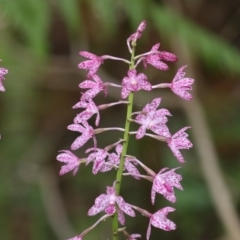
(88, 55)
(132, 169)
(132, 73)
(141, 132)
(80, 104)
(125, 92)
(141, 77)
(121, 217)
(119, 148)
(161, 130)
(158, 64)
(155, 47)
(159, 219)
(87, 84)
(83, 116)
(148, 231)
(3, 71)
(101, 202)
(153, 195)
(69, 167)
(91, 93)
(87, 65)
(153, 105)
(67, 156)
(76, 127)
(80, 141)
(146, 86)
(125, 207)
(167, 56)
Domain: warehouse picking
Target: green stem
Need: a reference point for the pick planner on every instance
(124, 151)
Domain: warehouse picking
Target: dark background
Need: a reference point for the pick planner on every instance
(39, 44)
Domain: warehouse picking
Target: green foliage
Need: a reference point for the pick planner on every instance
(30, 19)
(137, 11)
(214, 51)
(104, 12)
(71, 14)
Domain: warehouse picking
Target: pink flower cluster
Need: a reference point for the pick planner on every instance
(150, 118)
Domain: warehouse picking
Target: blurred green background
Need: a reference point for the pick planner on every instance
(39, 44)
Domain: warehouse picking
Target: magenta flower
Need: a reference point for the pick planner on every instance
(91, 109)
(91, 65)
(179, 141)
(153, 119)
(159, 220)
(181, 85)
(3, 71)
(129, 163)
(98, 158)
(71, 160)
(163, 183)
(106, 202)
(95, 87)
(134, 83)
(155, 59)
(87, 133)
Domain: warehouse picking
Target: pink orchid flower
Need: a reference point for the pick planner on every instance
(91, 65)
(106, 202)
(98, 158)
(95, 87)
(181, 85)
(155, 59)
(134, 83)
(159, 220)
(153, 119)
(179, 141)
(87, 133)
(163, 183)
(71, 160)
(91, 109)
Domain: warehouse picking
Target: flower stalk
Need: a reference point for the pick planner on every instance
(125, 147)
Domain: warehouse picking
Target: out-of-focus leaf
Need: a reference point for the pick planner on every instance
(105, 12)
(71, 13)
(31, 19)
(137, 10)
(214, 51)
